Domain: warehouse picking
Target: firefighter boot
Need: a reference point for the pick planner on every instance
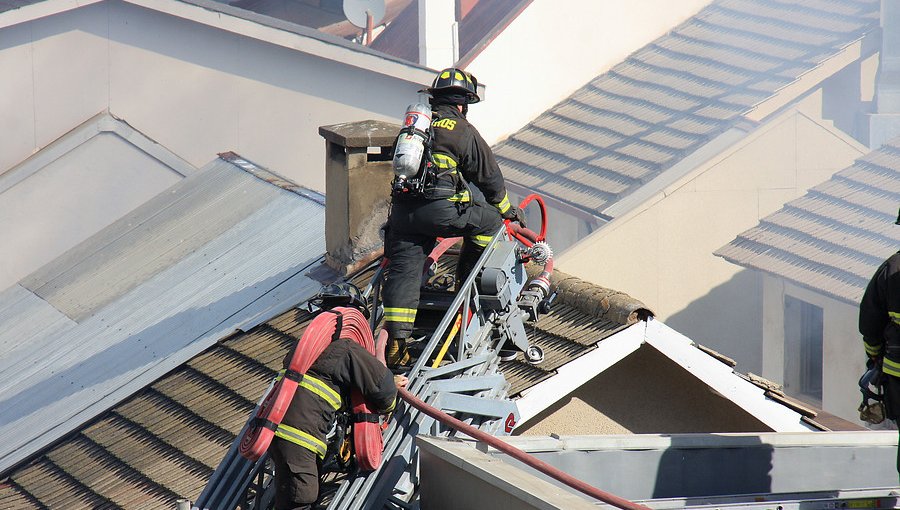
(397, 356)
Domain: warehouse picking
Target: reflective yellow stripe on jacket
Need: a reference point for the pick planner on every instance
(895, 316)
(300, 438)
(460, 197)
(872, 350)
(319, 388)
(504, 205)
(400, 314)
(890, 367)
(482, 241)
(443, 161)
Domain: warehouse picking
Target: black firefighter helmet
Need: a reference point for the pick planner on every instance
(340, 294)
(455, 82)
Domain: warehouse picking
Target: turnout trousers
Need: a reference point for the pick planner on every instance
(296, 475)
(413, 227)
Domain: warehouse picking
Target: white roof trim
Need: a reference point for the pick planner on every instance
(40, 10)
(721, 377)
(579, 371)
(249, 24)
(103, 122)
(811, 79)
(675, 346)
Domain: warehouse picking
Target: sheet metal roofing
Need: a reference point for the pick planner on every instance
(832, 239)
(146, 294)
(164, 442)
(675, 95)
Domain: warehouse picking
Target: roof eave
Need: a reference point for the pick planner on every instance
(249, 24)
(867, 45)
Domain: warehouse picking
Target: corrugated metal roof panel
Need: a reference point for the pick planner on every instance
(169, 313)
(155, 236)
(833, 238)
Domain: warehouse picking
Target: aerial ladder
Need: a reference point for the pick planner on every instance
(487, 314)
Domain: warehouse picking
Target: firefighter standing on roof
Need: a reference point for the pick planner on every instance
(879, 323)
(445, 207)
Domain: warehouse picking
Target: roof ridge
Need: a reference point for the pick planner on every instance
(594, 300)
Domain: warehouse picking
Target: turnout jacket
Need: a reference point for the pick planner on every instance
(343, 365)
(458, 150)
(879, 315)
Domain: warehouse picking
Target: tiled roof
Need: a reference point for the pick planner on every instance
(214, 253)
(164, 442)
(833, 238)
(676, 94)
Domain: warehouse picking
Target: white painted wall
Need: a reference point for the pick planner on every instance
(195, 88)
(844, 359)
(662, 251)
(555, 47)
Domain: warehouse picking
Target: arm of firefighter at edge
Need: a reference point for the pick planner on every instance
(482, 170)
(374, 380)
(873, 313)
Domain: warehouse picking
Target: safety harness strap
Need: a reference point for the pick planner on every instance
(365, 417)
(337, 327)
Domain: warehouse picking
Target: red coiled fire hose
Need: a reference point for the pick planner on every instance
(340, 322)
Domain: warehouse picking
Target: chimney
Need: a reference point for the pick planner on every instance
(884, 124)
(358, 177)
(437, 33)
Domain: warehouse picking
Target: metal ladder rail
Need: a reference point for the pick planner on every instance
(234, 475)
(352, 488)
(404, 425)
(359, 492)
(374, 491)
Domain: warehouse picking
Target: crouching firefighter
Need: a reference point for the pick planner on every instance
(432, 199)
(879, 323)
(299, 444)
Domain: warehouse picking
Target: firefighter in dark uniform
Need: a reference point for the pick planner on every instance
(879, 323)
(445, 208)
(299, 444)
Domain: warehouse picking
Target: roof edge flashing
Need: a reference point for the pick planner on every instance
(103, 122)
(863, 47)
(722, 378)
(289, 35)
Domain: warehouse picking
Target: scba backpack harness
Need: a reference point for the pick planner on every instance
(328, 326)
(417, 170)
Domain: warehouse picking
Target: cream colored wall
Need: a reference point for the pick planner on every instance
(553, 48)
(196, 89)
(662, 251)
(843, 355)
(642, 394)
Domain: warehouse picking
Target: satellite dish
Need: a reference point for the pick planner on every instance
(357, 11)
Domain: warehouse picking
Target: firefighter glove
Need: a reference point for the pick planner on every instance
(515, 214)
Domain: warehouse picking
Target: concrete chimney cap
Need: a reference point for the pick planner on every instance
(366, 133)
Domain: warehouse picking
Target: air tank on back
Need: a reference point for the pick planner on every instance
(411, 141)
